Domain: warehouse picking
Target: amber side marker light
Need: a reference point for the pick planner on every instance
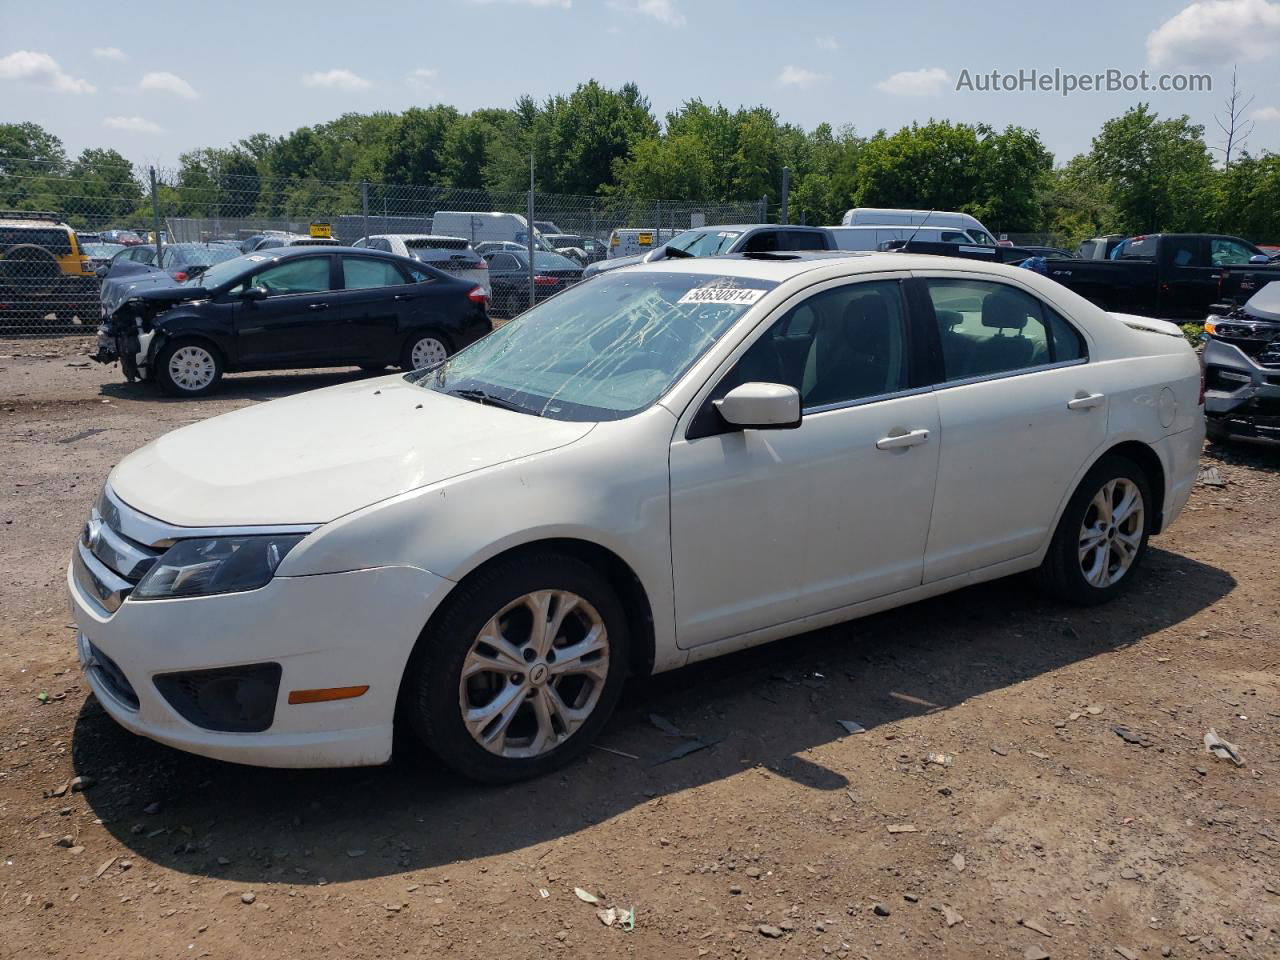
(328, 693)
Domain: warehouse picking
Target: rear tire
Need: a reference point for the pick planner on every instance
(533, 699)
(188, 368)
(1096, 549)
(424, 349)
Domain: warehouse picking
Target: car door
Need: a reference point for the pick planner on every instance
(297, 322)
(1022, 410)
(768, 526)
(1190, 282)
(376, 297)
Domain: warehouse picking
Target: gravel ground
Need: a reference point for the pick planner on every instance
(988, 810)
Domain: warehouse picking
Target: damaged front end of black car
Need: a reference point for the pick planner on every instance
(127, 331)
(1242, 368)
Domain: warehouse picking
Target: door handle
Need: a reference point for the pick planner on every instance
(317, 306)
(897, 442)
(403, 296)
(1087, 401)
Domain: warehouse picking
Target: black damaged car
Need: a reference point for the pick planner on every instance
(291, 308)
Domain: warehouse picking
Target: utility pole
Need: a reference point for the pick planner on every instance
(155, 214)
(532, 272)
(364, 207)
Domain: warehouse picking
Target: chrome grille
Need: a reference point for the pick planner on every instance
(108, 564)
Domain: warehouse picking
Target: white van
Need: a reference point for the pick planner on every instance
(871, 238)
(478, 227)
(631, 241)
(881, 216)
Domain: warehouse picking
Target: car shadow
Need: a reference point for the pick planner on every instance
(1257, 455)
(767, 706)
(245, 386)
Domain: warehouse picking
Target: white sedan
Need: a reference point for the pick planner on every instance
(661, 465)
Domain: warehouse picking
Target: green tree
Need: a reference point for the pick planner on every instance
(577, 138)
(101, 188)
(668, 168)
(31, 159)
(1158, 172)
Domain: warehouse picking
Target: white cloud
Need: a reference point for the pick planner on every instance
(664, 11)
(1266, 114)
(830, 44)
(132, 125)
(337, 79)
(1217, 32)
(110, 53)
(926, 82)
(798, 77)
(423, 78)
(167, 83)
(41, 70)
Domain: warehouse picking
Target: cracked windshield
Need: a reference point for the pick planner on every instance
(601, 351)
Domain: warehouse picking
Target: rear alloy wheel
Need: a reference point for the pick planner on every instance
(522, 670)
(425, 350)
(188, 369)
(1102, 535)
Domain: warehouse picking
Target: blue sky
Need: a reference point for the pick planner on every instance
(155, 86)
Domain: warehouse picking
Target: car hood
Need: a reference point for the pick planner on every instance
(120, 285)
(315, 456)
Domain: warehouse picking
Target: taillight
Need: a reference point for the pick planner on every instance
(478, 295)
(181, 276)
(542, 281)
(482, 265)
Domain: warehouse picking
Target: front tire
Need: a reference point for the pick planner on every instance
(521, 671)
(1102, 536)
(188, 368)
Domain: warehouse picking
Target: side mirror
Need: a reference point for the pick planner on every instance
(761, 406)
(255, 293)
(1259, 258)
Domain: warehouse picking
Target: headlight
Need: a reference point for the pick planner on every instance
(199, 568)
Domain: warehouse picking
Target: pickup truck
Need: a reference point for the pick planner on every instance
(1173, 275)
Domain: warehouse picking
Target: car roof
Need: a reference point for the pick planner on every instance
(784, 266)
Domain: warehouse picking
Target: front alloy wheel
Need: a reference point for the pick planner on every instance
(534, 674)
(520, 669)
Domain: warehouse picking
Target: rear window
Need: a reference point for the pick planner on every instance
(1138, 248)
(57, 240)
(447, 259)
(437, 243)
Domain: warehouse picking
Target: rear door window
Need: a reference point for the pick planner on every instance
(989, 328)
(361, 273)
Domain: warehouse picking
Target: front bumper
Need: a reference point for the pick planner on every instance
(1242, 397)
(325, 631)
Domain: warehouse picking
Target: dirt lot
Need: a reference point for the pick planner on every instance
(1044, 835)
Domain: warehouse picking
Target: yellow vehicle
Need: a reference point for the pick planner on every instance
(43, 270)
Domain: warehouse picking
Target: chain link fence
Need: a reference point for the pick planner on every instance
(63, 236)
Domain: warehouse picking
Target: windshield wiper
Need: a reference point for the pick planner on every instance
(489, 400)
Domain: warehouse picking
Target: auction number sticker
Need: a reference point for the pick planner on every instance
(736, 296)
